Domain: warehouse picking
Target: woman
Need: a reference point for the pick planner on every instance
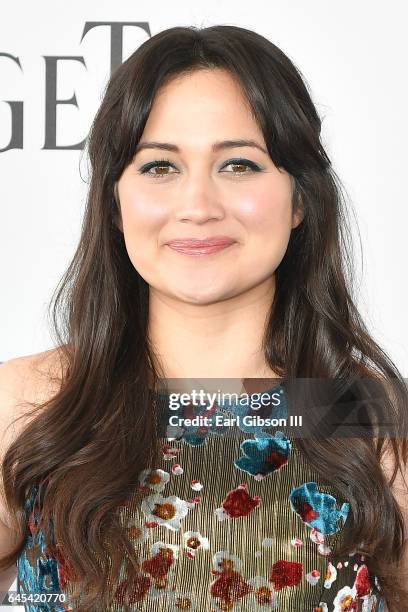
(214, 246)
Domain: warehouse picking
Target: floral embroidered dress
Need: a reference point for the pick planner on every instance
(232, 518)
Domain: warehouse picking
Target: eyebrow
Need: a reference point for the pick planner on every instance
(217, 146)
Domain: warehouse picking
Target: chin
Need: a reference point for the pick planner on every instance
(202, 298)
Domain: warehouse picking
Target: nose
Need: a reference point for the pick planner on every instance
(199, 200)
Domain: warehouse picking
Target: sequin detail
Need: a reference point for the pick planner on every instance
(220, 523)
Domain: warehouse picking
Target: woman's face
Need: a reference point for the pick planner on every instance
(203, 190)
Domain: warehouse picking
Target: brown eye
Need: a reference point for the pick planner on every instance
(159, 164)
(160, 169)
(240, 166)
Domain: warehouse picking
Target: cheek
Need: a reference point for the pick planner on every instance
(141, 214)
(268, 207)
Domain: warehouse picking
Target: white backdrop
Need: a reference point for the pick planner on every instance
(353, 55)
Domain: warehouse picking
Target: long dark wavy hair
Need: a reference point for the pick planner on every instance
(100, 324)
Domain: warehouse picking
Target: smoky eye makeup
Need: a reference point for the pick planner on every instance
(240, 162)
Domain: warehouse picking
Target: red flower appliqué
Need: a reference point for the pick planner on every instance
(362, 582)
(239, 503)
(159, 565)
(229, 587)
(285, 574)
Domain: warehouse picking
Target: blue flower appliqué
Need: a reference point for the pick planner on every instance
(264, 455)
(45, 577)
(318, 510)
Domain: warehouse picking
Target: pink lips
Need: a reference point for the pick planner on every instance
(194, 246)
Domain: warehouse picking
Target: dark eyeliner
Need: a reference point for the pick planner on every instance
(238, 161)
(234, 161)
(157, 162)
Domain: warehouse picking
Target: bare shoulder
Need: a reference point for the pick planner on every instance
(30, 377)
(23, 380)
(388, 463)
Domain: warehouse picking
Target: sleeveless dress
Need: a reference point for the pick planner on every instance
(232, 518)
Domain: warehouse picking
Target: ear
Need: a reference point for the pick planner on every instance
(117, 214)
(298, 212)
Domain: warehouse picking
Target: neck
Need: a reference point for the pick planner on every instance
(215, 340)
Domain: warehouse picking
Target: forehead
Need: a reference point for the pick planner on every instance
(199, 103)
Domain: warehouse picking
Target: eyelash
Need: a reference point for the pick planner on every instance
(238, 161)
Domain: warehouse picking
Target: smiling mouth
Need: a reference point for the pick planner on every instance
(201, 246)
(200, 250)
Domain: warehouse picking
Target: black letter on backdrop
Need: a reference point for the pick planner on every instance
(17, 117)
(116, 37)
(51, 101)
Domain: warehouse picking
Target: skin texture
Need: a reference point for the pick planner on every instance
(207, 314)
